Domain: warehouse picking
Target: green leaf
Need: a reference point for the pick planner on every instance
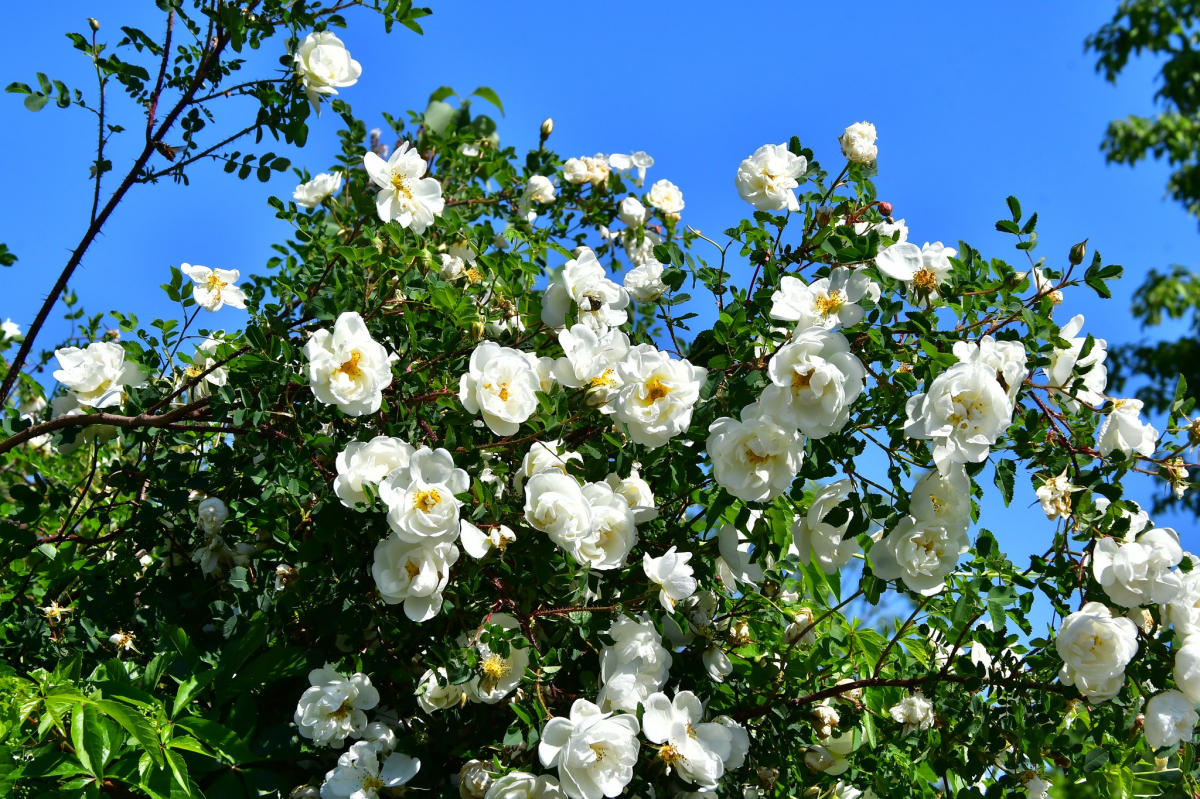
(189, 688)
(1095, 759)
(220, 739)
(1014, 206)
(1006, 479)
(36, 102)
(238, 651)
(18, 88)
(491, 96)
(91, 740)
(441, 93)
(179, 770)
(136, 724)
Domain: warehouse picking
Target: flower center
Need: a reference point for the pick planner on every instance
(800, 380)
(830, 303)
(670, 755)
(604, 380)
(493, 668)
(656, 390)
(193, 371)
(400, 186)
(372, 783)
(426, 500)
(215, 283)
(342, 711)
(599, 751)
(412, 569)
(473, 275)
(925, 280)
(755, 458)
(350, 368)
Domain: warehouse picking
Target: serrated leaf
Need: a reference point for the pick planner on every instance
(1006, 479)
(490, 95)
(1014, 207)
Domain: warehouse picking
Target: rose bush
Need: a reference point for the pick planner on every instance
(516, 485)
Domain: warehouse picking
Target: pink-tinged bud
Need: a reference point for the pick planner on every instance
(885, 208)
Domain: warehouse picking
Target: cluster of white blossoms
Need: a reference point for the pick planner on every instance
(595, 751)
(635, 666)
(334, 709)
(215, 555)
(924, 546)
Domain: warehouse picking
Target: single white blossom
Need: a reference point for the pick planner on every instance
(673, 576)
(415, 574)
(757, 458)
(434, 695)
(332, 709)
(943, 499)
(637, 493)
(594, 752)
(478, 544)
(631, 211)
(639, 161)
(499, 675)
(213, 289)
(422, 506)
(858, 143)
(1070, 364)
(814, 381)
(614, 530)
(829, 302)
(348, 368)
(766, 179)
(914, 711)
(522, 785)
(474, 779)
(964, 412)
(406, 196)
(1037, 788)
(1095, 647)
(1007, 358)
(657, 395)
(359, 774)
(922, 553)
(1123, 430)
(1055, 495)
(545, 456)
(211, 514)
(817, 539)
(696, 751)
(1171, 718)
(635, 666)
(639, 245)
(666, 197)
(1139, 573)
(501, 385)
(556, 505)
(316, 191)
(323, 65)
(600, 302)
(97, 375)
(644, 282)
(538, 191)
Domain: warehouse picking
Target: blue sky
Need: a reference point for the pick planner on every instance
(973, 102)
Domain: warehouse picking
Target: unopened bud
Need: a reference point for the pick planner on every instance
(1078, 252)
(767, 777)
(94, 24)
(476, 330)
(825, 719)
(818, 758)
(547, 128)
(824, 214)
(885, 208)
(854, 694)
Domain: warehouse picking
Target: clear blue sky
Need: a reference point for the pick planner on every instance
(973, 102)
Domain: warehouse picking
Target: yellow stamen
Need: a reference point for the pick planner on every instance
(755, 458)
(801, 381)
(604, 380)
(830, 303)
(925, 281)
(493, 668)
(655, 390)
(400, 185)
(350, 368)
(412, 569)
(426, 500)
(670, 755)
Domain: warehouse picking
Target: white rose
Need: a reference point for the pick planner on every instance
(631, 212)
(755, 459)
(1138, 573)
(1007, 358)
(819, 540)
(545, 456)
(623, 163)
(601, 303)
(211, 514)
(739, 742)
(827, 303)
(594, 752)
(766, 179)
(964, 412)
(922, 553)
(837, 748)
(914, 711)
(315, 191)
(735, 565)
(323, 65)
(1055, 495)
(10, 329)
(415, 574)
(498, 675)
(367, 463)
(696, 750)
(1183, 612)
(635, 666)
(453, 267)
(478, 544)
(347, 367)
(666, 197)
(521, 785)
(639, 251)
(538, 190)
(657, 396)
(644, 282)
(672, 575)
(1170, 719)
(202, 361)
(332, 709)
(1068, 365)
(98, 374)
(556, 505)
(802, 630)
(590, 360)
(474, 779)
(501, 385)
(614, 531)
(1124, 430)
(422, 506)
(433, 695)
(901, 261)
(935, 269)
(1095, 647)
(717, 664)
(943, 499)
(814, 381)
(1037, 788)
(406, 196)
(858, 143)
(214, 557)
(575, 171)
(359, 775)
(637, 493)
